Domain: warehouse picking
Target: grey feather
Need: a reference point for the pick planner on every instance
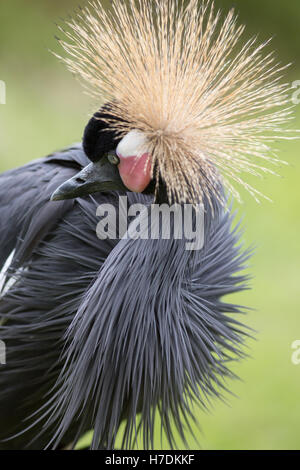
(104, 331)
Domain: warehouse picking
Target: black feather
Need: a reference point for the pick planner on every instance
(98, 138)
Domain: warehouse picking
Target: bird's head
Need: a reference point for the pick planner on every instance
(117, 163)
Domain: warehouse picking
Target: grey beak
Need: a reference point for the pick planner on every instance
(96, 177)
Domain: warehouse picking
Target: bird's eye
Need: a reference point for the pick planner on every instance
(113, 159)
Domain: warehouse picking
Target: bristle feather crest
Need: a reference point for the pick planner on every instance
(208, 107)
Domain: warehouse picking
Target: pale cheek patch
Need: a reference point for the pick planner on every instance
(133, 144)
(135, 162)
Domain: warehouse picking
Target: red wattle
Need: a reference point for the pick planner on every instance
(135, 172)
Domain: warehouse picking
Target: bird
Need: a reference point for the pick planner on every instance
(101, 332)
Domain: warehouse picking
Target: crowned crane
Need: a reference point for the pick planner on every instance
(128, 329)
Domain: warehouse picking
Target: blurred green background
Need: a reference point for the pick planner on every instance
(46, 109)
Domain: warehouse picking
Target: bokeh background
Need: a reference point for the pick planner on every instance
(46, 109)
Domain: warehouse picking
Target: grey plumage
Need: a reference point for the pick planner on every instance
(101, 331)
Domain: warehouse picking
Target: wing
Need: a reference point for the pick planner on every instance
(26, 213)
(27, 216)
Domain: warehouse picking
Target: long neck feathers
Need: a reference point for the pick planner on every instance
(135, 348)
